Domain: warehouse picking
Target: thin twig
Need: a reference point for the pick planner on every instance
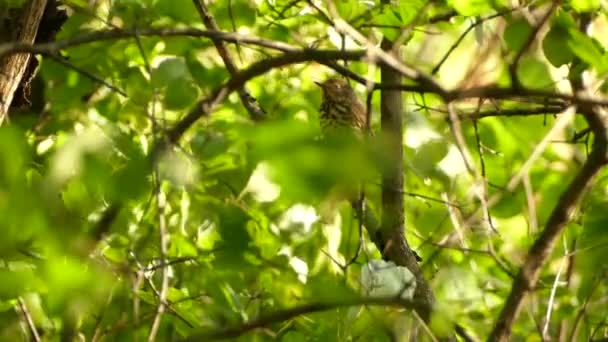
(560, 124)
(284, 315)
(583, 309)
(541, 249)
(531, 205)
(142, 274)
(482, 177)
(562, 264)
(28, 320)
(253, 107)
(456, 129)
(98, 333)
(162, 224)
(86, 73)
(473, 25)
(531, 38)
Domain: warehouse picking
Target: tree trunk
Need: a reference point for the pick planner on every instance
(393, 227)
(13, 67)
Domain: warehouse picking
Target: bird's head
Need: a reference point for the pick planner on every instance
(335, 88)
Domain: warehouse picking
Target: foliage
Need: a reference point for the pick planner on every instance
(240, 219)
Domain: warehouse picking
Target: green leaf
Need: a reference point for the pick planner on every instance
(180, 11)
(14, 283)
(556, 48)
(13, 157)
(350, 9)
(205, 75)
(409, 10)
(428, 155)
(67, 88)
(182, 247)
(534, 74)
(588, 50)
(233, 231)
(471, 7)
(388, 18)
(208, 144)
(516, 34)
(583, 6)
(138, 87)
(238, 13)
(74, 25)
(180, 94)
(71, 281)
(169, 71)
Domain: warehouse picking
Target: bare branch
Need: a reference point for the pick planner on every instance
(464, 34)
(31, 326)
(256, 112)
(162, 223)
(557, 128)
(533, 35)
(540, 251)
(280, 316)
(86, 73)
(117, 34)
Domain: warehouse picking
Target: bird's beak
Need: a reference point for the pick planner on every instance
(320, 84)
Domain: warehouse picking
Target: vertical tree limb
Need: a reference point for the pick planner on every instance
(13, 67)
(392, 228)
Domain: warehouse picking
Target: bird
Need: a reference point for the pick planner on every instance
(341, 111)
(340, 107)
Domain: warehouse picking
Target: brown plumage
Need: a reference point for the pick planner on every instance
(340, 106)
(341, 109)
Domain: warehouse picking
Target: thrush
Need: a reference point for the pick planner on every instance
(340, 106)
(342, 110)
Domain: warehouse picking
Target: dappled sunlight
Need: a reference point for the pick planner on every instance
(69, 159)
(260, 184)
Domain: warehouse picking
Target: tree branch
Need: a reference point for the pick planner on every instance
(392, 230)
(539, 253)
(283, 315)
(531, 38)
(256, 112)
(117, 34)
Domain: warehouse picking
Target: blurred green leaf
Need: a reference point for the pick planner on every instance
(180, 10)
(516, 34)
(182, 247)
(232, 227)
(534, 73)
(180, 95)
(235, 14)
(555, 46)
(582, 6)
(168, 71)
(588, 50)
(472, 7)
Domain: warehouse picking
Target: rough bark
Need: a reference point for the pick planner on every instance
(392, 228)
(13, 67)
